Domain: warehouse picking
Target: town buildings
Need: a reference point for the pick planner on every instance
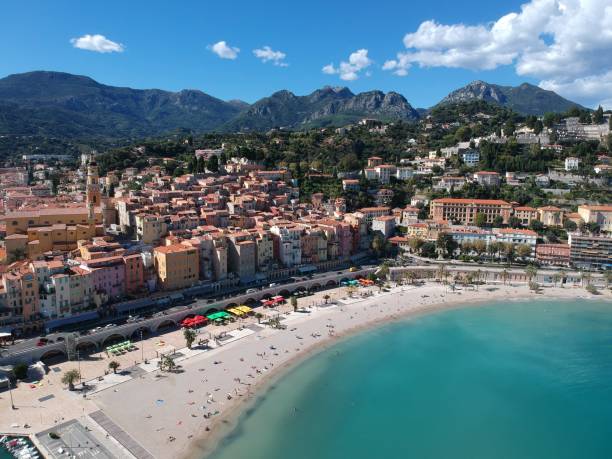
(177, 266)
(600, 215)
(590, 251)
(465, 210)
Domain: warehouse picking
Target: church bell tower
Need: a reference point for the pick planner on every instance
(93, 188)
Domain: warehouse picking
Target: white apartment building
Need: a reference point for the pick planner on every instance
(288, 245)
(572, 163)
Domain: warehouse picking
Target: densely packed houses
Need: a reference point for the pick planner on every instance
(85, 250)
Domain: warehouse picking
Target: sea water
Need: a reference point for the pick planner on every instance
(507, 380)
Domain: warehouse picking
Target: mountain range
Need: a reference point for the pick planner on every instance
(526, 98)
(63, 105)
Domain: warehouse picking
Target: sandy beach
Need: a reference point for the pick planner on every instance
(186, 413)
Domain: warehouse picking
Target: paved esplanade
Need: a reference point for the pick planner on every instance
(174, 317)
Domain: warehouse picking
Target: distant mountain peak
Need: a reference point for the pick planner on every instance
(64, 105)
(327, 106)
(526, 98)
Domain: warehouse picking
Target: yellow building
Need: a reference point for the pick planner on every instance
(551, 216)
(601, 215)
(150, 228)
(177, 266)
(19, 222)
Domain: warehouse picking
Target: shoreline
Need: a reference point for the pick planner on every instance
(223, 427)
(189, 413)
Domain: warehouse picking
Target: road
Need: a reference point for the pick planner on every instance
(120, 320)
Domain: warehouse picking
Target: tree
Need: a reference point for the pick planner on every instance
(479, 246)
(498, 221)
(114, 365)
(442, 273)
(509, 252)
(190, 335)
(409, 276)
(428, 250)
(494, 249)
(294, 303)
(538, 127)
(598, 117)
(415, 244)
(350, 290)
(536, 225)
(480, 219)
(21, 371)
(570, 225)
(591, 289)
(534, 286)
(166, 363)
(383, 271)
(585, 278)
(446, 243)
(550, 119)
(531, 272)
(515, 222)
(70, 378)
(213, 164)
(523, 251)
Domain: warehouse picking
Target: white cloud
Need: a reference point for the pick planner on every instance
(595, 88)
(224, 51)
(567, 44)
(349, 71)
(97, 43)
(329, 69)
(267, 54)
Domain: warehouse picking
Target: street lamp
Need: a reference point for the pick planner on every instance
(141, 346)
(76, 346)
(11, 394)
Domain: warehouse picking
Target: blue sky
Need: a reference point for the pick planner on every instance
(169, 45)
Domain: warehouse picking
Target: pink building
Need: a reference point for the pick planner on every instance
(134, 273)
(341, 232)
(108, 276)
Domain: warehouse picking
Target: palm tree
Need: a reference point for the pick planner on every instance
(441, 273)
(166, 363)
(114, 365)
(531, 272)
(70, 377)
(556, 278)
(479, 275)
(190, 335)
(383, 271)
(170, 364)
(505, 275)
(585, 277)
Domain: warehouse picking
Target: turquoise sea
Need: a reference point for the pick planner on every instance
(510, 380)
